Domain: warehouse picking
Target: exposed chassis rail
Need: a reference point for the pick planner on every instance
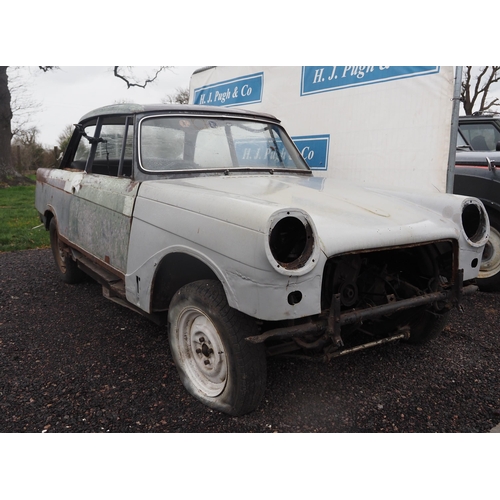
(332, 323)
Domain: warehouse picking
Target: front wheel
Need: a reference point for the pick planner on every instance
(215, 362)
(427, 326)
(489, 273)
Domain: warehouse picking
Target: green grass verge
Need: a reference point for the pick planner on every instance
(19, 222)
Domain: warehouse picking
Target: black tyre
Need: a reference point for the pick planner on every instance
(427, 326)
(489, 273)
(426, 323)
(66, 267)
(421, 272)
(215, 362)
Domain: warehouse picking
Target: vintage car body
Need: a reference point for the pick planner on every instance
(481, 131)
(244, 253)
(244, 210)
(477, 174)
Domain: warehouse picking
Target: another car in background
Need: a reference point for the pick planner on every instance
(481, 131)
(477, 173)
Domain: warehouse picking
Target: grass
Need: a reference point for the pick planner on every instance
(20, 227)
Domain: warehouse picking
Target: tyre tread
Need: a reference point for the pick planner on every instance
(250, 358)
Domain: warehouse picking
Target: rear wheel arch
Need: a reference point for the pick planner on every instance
(67, 268)
(47, 217)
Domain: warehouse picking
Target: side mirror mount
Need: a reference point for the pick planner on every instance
(491, 165)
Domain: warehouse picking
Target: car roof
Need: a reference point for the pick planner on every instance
(479, 118)
(132, 109)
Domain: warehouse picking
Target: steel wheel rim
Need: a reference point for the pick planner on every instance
(202, 352)
(490, 265)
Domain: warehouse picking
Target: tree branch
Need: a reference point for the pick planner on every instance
(477, 94)
(130, 83)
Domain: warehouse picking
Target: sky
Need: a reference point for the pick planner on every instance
(62, 96)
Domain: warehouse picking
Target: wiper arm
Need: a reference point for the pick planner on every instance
(277, 150)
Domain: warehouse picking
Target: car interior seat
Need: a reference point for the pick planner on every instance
(478, 143)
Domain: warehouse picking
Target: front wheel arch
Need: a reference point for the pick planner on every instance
(174, 271)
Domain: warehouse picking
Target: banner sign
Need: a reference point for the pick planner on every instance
(351, 123)
(314, 149)
(317, 79)
(243, 90)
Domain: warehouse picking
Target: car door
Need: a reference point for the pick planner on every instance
(103, 194)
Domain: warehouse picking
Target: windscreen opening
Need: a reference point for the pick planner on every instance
(204, 143)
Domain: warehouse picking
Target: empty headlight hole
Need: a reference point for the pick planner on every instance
(473, 222)
(291, 242)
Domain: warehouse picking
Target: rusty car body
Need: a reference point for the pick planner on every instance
(208, 220)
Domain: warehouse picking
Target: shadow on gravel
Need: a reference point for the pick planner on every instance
(71, 361)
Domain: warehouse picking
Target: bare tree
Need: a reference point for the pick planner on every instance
(7, 105)
(127, 75)
(6, 165)
(64, 137)
(476, 87)
(181, 96)
(22, 102)
(30, 153)
(5, 125)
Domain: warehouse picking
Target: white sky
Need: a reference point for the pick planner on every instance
(64, 95)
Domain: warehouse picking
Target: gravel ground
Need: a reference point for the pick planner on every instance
(72, 361)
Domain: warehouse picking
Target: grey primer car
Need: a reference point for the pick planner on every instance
(477, 174)
(209, 221)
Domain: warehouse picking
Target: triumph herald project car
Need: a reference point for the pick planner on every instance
(209, 221)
